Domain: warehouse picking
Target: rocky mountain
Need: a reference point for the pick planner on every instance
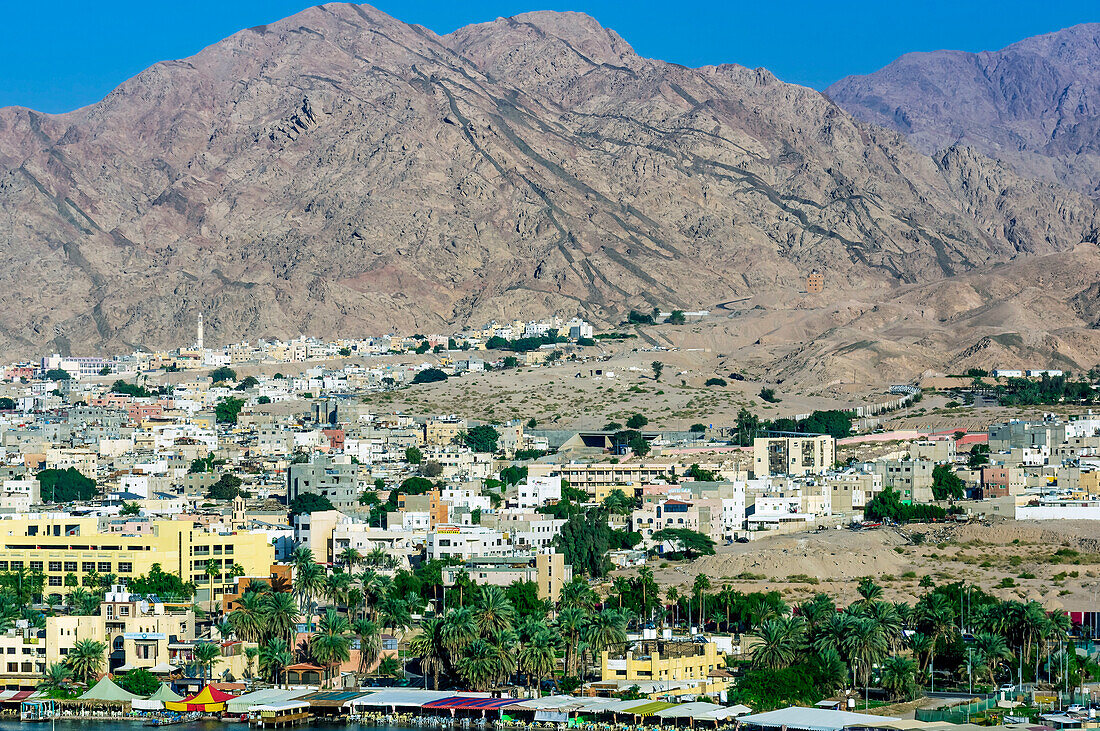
(343, 172)
(1034, 104)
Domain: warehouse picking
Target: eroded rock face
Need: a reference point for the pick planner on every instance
(1034, 104)
(343, 172)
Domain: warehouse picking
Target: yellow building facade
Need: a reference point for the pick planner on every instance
(692, 668)
(63, 548)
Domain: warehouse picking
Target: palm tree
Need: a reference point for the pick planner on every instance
(275, 656)
(211, 569)
(994, 650)
(207, 655)
(337, 586)
(247, 617)
(309, 580)
(350, 557)
(331, 645)
(280, 617)
(250, 654)
(898, 674)
(479, 665)
(538, 656)
(620, 586)
(388, 667)
(889, 623)
(370, 642)
(459, 630)
(865, 645)
(494, 612)
(428, 645)
(302, 556)
(936, 619)
(86, 660)
(781, 640)
(699, 590)
(55, 679)
(921, 645)
(394, 614)
(571, 623)
(868, 590)
(673, 595)
(607, 629)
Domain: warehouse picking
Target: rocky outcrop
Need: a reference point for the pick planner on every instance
(1034, 104)
(343, 172)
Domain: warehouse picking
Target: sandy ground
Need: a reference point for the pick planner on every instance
(983, 553)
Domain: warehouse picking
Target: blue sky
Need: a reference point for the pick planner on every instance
(75, 52)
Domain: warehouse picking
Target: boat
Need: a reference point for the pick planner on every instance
(276, 715)
(37, 711)
(173, 720)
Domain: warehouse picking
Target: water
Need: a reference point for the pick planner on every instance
(135, 725)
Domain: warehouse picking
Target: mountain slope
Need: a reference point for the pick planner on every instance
(343, 172)
(1034, 104)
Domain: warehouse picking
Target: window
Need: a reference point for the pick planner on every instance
(13, 667)
(36, 565)
(104, 567)
(125, 567)
(70, 565)
(124, 611)
(87, 566)
(55, 565)
(11, 650)
(3, 565)
(55, 580)
(16, 565)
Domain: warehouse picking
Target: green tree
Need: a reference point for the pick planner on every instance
(247, 383)
(309, 502)
(139, 682)
(946, 484)
(55, 681)
(331, 645)
(86, 660)
(481, 438)
(228, 487)
(413, 455)
(64, 486)
(676, 318)
(748, 426)
(275, 656)
(429, 375)
(685, 540)
(781, 641)
(129, 509)
(57, 374)
(657, 367)
(223, 374)
(768, 394)
(428, 645)
(584, 540)
(898, 678)
(228, 409)
(637, 421)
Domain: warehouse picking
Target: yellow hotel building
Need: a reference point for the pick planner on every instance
(59, 547)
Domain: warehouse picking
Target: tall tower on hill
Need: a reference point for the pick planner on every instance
(198, 342)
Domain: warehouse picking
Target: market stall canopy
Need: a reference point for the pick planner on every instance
(688, 710)
(812, 719)
(267, 696)
(207, 700)
(456, 702)
(563, 703)
(107, 690)
(164, 693)
(163, 668)
(407, 697)
(729, 712)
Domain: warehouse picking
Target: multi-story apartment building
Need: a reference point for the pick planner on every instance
(548, 570)
(333, 476)
(75, 548)
(599, 479)
(811, 454)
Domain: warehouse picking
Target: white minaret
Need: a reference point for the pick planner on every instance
(198, 343)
